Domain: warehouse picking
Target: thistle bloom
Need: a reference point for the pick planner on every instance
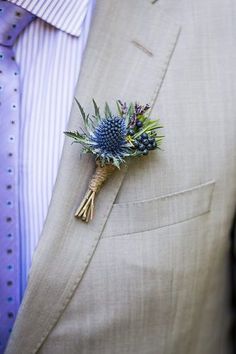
(109, 139)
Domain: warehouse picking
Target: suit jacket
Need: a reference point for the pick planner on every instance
(149, 274)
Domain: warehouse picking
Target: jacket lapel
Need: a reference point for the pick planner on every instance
(126, 58)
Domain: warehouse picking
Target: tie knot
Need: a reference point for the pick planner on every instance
(13, 19)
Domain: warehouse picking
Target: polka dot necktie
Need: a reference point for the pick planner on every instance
(13, 20)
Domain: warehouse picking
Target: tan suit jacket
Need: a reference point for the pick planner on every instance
(149, 274)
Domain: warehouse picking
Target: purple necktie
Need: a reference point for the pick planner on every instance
(13, 20)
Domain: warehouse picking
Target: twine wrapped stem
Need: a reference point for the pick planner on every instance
(86, 209)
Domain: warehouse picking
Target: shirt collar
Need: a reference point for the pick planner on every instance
(66, 15)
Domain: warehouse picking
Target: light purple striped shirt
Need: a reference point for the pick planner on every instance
(49, 53)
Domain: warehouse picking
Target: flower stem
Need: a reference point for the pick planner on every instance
(86, 209)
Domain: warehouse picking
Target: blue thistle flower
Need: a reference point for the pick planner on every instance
(109, 138)
(113, 138)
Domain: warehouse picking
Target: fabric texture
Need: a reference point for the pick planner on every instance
(161, 288)
(66, 15)
(13, 21)
(46, 56)
(34, 58)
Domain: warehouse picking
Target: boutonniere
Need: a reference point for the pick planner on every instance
(113, 138)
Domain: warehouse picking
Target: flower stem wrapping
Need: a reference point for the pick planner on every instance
(86, 209)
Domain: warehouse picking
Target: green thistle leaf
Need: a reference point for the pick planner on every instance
(119, 109)
(75, 135)
(107, 111)
(81, 110)
(116, 162)
(130, 113)
(96, 110)
(130, 109)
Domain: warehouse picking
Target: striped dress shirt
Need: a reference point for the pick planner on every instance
(49, 53)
